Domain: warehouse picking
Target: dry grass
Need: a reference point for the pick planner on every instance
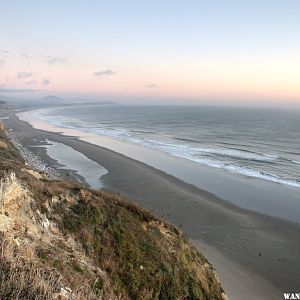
(25, 279)
(144, 257)
(102, 246)
(22, 280)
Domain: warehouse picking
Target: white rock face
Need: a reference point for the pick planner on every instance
(10, 188)
(43, 220)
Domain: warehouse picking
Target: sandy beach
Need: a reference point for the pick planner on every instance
(256, 256)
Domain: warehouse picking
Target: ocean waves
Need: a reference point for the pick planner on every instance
(194, 154)
(236, 158)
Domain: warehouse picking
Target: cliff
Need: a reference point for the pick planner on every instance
(60, 240)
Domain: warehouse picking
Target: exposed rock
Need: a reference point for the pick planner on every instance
(59, 240)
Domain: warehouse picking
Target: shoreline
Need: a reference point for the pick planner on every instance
(250, 193)
(238, 235)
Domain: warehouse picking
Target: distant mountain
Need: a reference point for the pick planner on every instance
(54, 100)
(7, 99)
(51, 99)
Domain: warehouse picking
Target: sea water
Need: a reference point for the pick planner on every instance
(246, 156)
(252, 142)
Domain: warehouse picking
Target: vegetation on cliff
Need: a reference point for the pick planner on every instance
(60, 240)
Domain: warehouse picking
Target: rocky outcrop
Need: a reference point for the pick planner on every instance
(61, 240)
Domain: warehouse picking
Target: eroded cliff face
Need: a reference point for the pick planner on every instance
(32, 233)
(60, 240)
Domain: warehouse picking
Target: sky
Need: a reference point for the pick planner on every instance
(154, 51)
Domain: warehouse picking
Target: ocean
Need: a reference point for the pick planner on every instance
(259, 143)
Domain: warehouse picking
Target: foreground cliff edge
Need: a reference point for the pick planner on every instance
(60, 240)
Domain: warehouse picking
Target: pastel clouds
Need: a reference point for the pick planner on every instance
(107, 72)
(152, 85)
(56, 60)
(241, 78)
(45, 81)
(24, 75)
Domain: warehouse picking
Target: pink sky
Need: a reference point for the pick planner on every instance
(194, 53)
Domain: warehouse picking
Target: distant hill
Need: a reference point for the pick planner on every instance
(51, 99)
(5, 98)
(14, 100)
(54, 100)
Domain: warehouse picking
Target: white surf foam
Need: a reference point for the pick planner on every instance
(196, 154)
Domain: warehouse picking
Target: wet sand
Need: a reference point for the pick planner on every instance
(256, 256)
